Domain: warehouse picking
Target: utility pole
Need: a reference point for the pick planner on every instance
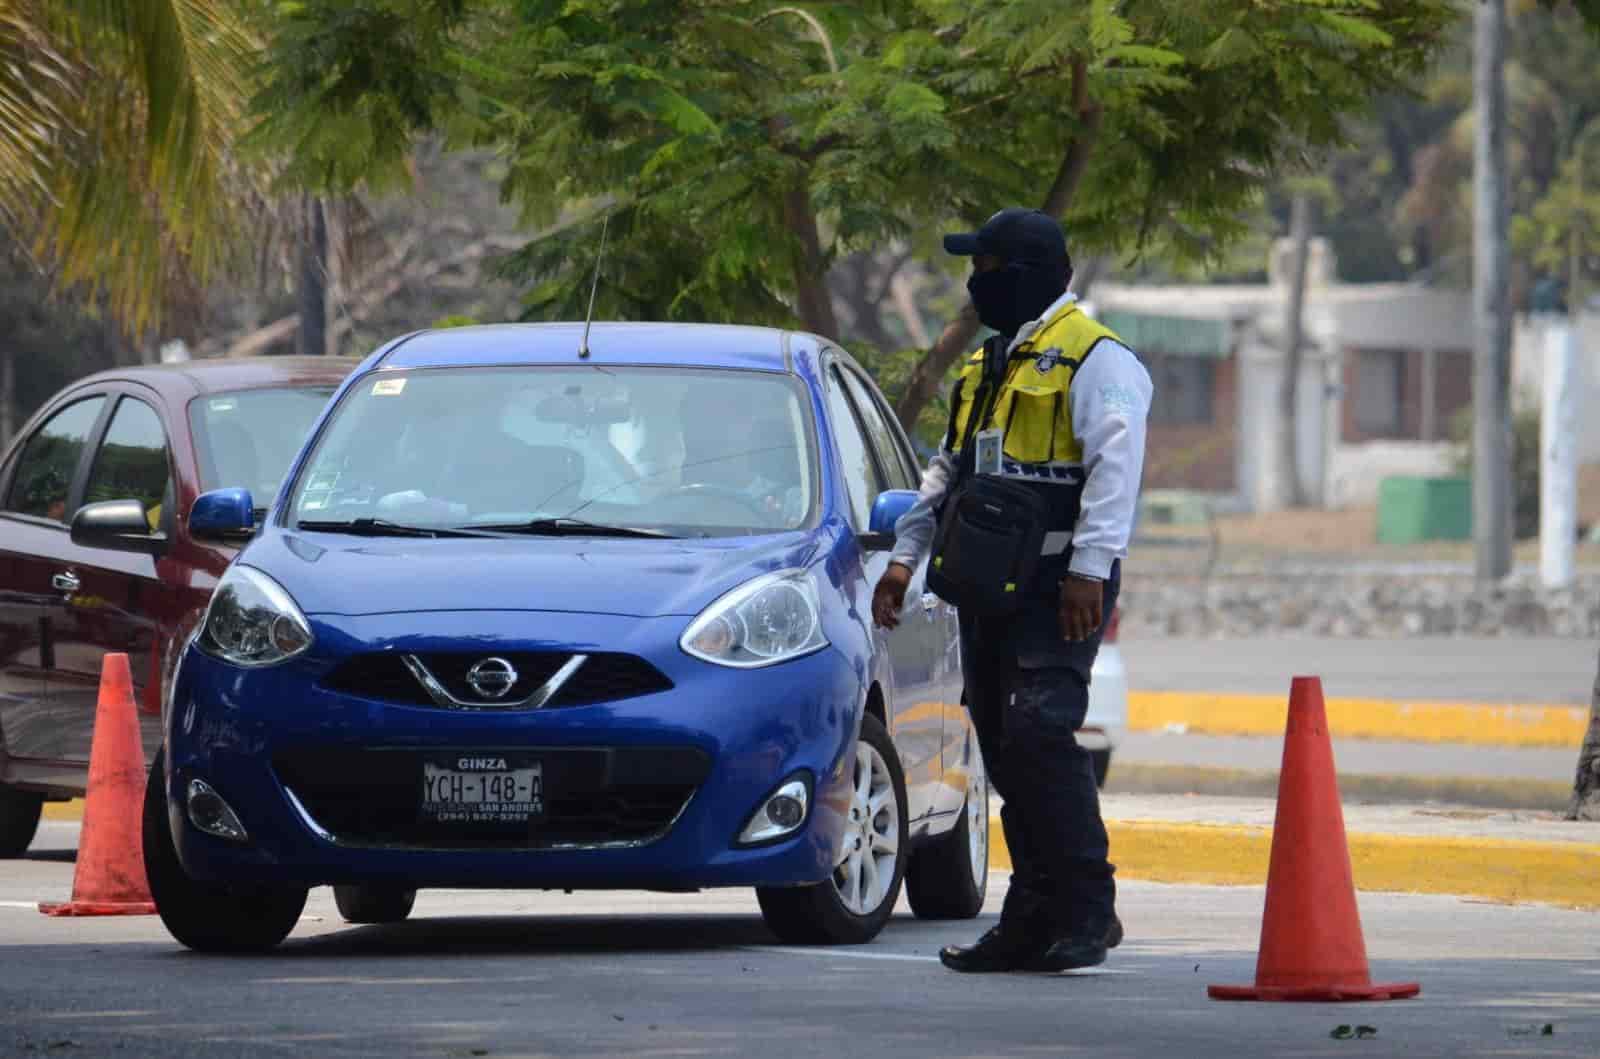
(311, 286)
(1491, 400)
(1294, 493)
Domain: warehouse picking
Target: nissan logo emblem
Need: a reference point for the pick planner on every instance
(493, 678)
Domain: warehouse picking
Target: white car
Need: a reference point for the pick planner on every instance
(1106, 722)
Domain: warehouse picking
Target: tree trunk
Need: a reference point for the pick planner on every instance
(1491, 403)
(8, 395)
(957, 336)
(1085, 273)
(311, 291)
(1294, 494)
(810, 274)
(1586, 783)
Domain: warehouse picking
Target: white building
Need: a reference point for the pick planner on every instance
(1385, 368)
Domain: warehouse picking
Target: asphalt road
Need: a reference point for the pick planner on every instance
(1493, 671)
(506, 974)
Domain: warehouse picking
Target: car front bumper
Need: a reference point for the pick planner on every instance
(283, 750)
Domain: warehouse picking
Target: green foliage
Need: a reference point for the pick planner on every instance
(721, 135)
(116, 121)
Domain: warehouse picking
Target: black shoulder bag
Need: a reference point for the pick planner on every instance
(990, 531)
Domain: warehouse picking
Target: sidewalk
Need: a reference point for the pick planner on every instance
(1511, 857)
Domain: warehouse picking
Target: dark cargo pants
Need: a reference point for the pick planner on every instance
(1028, 691)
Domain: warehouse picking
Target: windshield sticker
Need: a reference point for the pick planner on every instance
(222, 404)
(323, 480)
(388, 387)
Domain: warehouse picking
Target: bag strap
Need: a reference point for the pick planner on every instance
(992, 379)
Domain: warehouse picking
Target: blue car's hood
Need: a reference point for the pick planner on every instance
(334, 574)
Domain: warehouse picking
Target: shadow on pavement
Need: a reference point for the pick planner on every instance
(565, 935)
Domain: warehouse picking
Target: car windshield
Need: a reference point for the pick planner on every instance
(566, 450)
(248, 438)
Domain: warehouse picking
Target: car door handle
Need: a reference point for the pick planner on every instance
(67, 582)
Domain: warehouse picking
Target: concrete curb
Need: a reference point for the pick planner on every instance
(1138, 777)
(1504, 870)
(1212, 713)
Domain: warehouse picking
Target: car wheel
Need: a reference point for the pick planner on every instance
(19, 820)
(373, 904)
(209, 917)
(1102, 765)
(948, 877)
(853, 905)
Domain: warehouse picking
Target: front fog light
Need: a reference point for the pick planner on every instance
(209, 813)
(782, 813)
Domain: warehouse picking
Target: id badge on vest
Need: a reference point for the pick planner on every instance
(988, 454)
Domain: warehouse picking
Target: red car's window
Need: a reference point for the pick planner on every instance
(132, 461)
(49, 460)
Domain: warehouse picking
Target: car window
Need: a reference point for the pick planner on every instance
(890, 457)
(50, 459)
(246, 439)
(132, 461)
(860, 472)
(689, 452)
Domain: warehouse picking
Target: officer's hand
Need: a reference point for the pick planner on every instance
(890, 595)
(1080, 608)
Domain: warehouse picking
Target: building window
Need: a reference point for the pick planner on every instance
(1184, 387)
(1380, 392)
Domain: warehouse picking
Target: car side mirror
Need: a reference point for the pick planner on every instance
(886, 511)
(223, 513)
(116, 525)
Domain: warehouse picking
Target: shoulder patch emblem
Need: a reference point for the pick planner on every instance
(1049, 359)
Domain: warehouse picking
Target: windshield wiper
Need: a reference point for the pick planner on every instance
(574, 527)
(377, 527)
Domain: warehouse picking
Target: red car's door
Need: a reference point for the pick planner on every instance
(119, 596)
(41, 481)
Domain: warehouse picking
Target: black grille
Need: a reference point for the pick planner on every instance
(603, 677)
(592, 796)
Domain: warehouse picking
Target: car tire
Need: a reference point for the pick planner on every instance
(374, 904)
(821, 914)
(209, 917)
(948, 877)
(1102, 765)
(19, 820)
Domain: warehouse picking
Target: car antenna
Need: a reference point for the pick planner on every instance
(583, 348)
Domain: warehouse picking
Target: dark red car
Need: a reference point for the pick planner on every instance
(134, 579)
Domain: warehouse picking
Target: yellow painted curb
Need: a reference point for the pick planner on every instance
(1206, 713)
(1223, 855)
(72, 810)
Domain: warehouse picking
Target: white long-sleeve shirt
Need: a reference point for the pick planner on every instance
(1110, 397)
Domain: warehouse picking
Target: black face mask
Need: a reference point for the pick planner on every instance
(1015, 294)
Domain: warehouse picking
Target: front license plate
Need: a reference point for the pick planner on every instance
(481, 789)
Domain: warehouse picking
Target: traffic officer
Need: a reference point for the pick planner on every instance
(1070, 413)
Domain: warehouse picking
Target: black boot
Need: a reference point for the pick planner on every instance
(1006, 947)
(1085, 946)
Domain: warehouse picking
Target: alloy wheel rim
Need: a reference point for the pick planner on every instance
(978, 820)
(864, 868)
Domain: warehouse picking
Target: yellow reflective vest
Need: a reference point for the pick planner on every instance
(1034, 406)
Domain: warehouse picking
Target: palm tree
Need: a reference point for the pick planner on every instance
(117, 125)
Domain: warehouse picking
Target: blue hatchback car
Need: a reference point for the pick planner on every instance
(535, 612)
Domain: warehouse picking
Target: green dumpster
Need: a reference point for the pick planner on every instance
(1424, 509)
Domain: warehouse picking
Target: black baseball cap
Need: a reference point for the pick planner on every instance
(1016, 234)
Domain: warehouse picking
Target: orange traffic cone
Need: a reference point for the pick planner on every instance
(1311, 943)
(109, 879)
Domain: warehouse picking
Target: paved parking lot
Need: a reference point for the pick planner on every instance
(510, 974)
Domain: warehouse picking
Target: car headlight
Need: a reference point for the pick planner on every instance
(769, 620)
(252, 621)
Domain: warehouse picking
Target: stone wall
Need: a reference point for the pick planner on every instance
(1387, 605)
